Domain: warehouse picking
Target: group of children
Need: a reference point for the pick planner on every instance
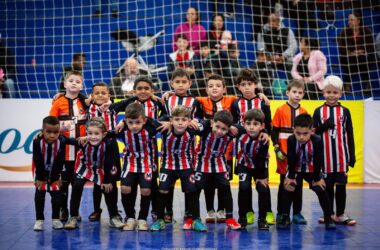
(200, 136)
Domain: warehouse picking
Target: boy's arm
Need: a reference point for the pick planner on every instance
(350, 140)
(120, 106)
(319, 127)
(235, 112)
(292, 157)
(161, 109)
(268, 118)
(260, 159)
(198, 109)
(38, 161)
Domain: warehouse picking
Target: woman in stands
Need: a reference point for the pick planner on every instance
(215, 33)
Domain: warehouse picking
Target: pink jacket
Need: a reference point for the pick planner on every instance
(317, 67)
(195, 34)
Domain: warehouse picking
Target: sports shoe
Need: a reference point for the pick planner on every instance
(142, 225)
(250, 217)
(116, 222)
(188, 225)
(270, 218)
(262, 224)
(72, 223)
(220, 216)
(199, 226)
(64, 215)
(283, 221)
(330, 225)
(321, 220)
(232, 224)
(158, 225)
(95, 216)
(39, 225)
(243, 222)
(211, 217)
(57, 224)
(130, 225)
(299, 219)
(344, 220)
(168, 217)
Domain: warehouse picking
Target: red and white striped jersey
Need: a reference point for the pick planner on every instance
(338, 142)
(187, 101)
(177, 150)
(251, 153)
(153, 109)
(109, 115)
(305, 153)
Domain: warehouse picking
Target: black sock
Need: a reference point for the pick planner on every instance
(243, 202)
(330, 193)
(169, 201)
(193, 204)
(161, 202)
(325, 205)
(144, 207)
(128, 204)
(340, 198)
(97, 197)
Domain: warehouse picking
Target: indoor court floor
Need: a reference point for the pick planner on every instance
(17, 218)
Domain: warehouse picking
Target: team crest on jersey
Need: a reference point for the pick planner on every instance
(148, 176)
(192, 178)
(113, 170)
(227, 175)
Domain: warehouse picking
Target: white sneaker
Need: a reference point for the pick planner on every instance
(130, 225)
(210, 217)
(39, 225)
(72, 223)
(142, 225)
(116, 222)
(344, 220)
(57, 224)
(220, 216)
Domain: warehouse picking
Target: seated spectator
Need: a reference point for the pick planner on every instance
(279, 41)
(203, 64)
(225, 40)
(264, 71)
(356, 48)
(121, 85)
(194, 31)
(8, 65)
(310, 66)
(182, 57)
(215, 33)
(77, 64)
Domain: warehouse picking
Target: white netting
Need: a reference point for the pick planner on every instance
(42, 36)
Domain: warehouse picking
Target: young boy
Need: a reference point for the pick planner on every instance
(177, 163)
(183, 57)
(48, 160)
(252, 162)
(283, 124)
(203, 64)
(305, 160)
(72, 113)
(333, 123)
(210, 162)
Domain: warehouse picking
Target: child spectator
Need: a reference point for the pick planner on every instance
(283, 124)
(333, 123)
(182, 57)
(305, 160)
(264, 71)
(203, 64)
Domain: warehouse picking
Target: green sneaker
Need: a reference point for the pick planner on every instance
(199, 226)
(158, 225)
(270, 218)
(250, 217)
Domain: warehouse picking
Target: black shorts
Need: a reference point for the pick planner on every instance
(217, 179)
(68, 171)
(333, 178)
(308, 177)
(246, 175)
(132, 179)
(168, 178)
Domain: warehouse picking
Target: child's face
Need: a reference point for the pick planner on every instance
(180, 124)
(247, 88)
(295, 95)
(215, 89)
(182, 44)
(143, 91)
(226, 36)
(50, 132)
(253, 127)
(218, 23)
(180, 85)
(73, 84)
(135, 125)
(100, 95)
(332, 94)
(303, 134)
(219, 129)
(235, 54)
(205, 51)
(95, 135)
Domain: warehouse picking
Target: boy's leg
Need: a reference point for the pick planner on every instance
(55, 204)
(154, 194)
(263, 200)
(145, 182)
(128, 188)
(209, 192)
(97, 197)
(245, 184)
(169, 205)
(76, 195)
(340, 199)
(111, 201)
(39, 203)
(67, 179)
(297, 197)
(280, 194)
(330, 184)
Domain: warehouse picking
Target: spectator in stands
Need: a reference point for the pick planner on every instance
(98, 11)
(203, 64)
(279, 41)
(192, 28)
(121, 85)
(377, 44)
(77, 64)
(182, 57)
(310, 66)
(263, 69)
(261, 9)
(215, 33)
(356, 48)
(7, 64)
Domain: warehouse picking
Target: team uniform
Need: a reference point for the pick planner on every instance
(339, 150)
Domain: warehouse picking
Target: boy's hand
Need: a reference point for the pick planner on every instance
(82, 140)
(66, 126)
(58, 95)
(106, 187)
(321, 183)
(104, 107)
(279, 154)
(38, 184)
(264, 137)
(88, 100)
(290, 184)
(38, 135)
(58, 183)
(166, 95)
(234, 131)
(119, 127)
(155, 98)
(328, 124)
(264, 98)
(194, 124)
(165, 126)
(263, 182)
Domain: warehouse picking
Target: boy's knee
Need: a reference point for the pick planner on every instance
(125, 189)
(163, 191)
(261, 188)
(145, 191)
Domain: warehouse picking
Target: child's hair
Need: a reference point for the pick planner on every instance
(311, 42)
(51, 120)
(204, 44)
(246, 75)
(232, 47)
(100, 84)
(73, 72)
(134, 111)
(215, 77)
(333, 81)
(180, 72)
(181, 36)
(78, 56)
(181, 111)
(143, 79)
(303, 121)
(224, 116)
(254, 114)
(295, 84)
(98, 122)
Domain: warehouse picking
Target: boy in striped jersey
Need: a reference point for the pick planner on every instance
(333, 123)
(177, 163)
(252, 162)
(305, 160)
